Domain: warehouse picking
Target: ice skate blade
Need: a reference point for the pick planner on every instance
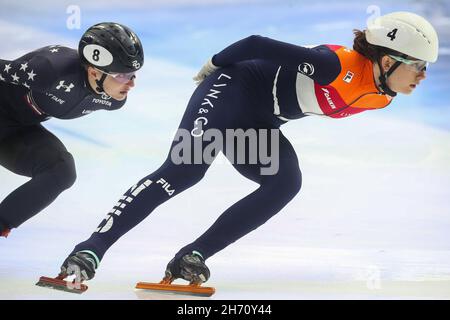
(177, 288)
(59, 284)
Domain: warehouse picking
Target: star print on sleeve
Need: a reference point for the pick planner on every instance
(7, 67)
(24, 66)
(23, 73)
(53, 49)
(17, 72)
(15, 77)
(31, 75)
(33, 71)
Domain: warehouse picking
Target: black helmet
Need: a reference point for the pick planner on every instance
(112, 48)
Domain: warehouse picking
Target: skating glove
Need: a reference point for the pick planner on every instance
(205, 71)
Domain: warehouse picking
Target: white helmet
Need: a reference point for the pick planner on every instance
(405, 32)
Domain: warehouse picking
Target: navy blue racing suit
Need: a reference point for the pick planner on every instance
(239, 95)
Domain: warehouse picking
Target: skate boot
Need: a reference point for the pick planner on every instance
(190, 267)
(81, 264)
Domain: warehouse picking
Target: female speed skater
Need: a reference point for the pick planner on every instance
(259, 84)
(64, 83)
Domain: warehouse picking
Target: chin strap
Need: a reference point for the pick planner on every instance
(100, 83)
(384, 76)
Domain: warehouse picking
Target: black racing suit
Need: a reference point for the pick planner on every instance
(48, 82)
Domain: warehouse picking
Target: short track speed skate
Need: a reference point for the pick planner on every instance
(59, 283)
(190, 267)
(81, 264)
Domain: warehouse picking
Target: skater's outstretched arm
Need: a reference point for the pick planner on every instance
(321, 63)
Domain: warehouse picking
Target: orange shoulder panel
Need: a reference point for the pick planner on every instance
(355, 83)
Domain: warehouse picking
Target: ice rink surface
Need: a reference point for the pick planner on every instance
(372, 219)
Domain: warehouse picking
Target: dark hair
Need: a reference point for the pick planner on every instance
(370, 51)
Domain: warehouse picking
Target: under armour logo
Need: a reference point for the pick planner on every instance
(62, 85)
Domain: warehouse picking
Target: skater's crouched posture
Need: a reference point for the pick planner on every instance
(63, 83)
(254, 86)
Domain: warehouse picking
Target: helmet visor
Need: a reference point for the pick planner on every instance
(121, 77)
(414, 65)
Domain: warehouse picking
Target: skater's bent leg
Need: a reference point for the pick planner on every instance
(274, 192)
(139, 201)
(208, 108)
(38, 154)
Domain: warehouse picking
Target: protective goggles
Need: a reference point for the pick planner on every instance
(414, 65)
(121, 77)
